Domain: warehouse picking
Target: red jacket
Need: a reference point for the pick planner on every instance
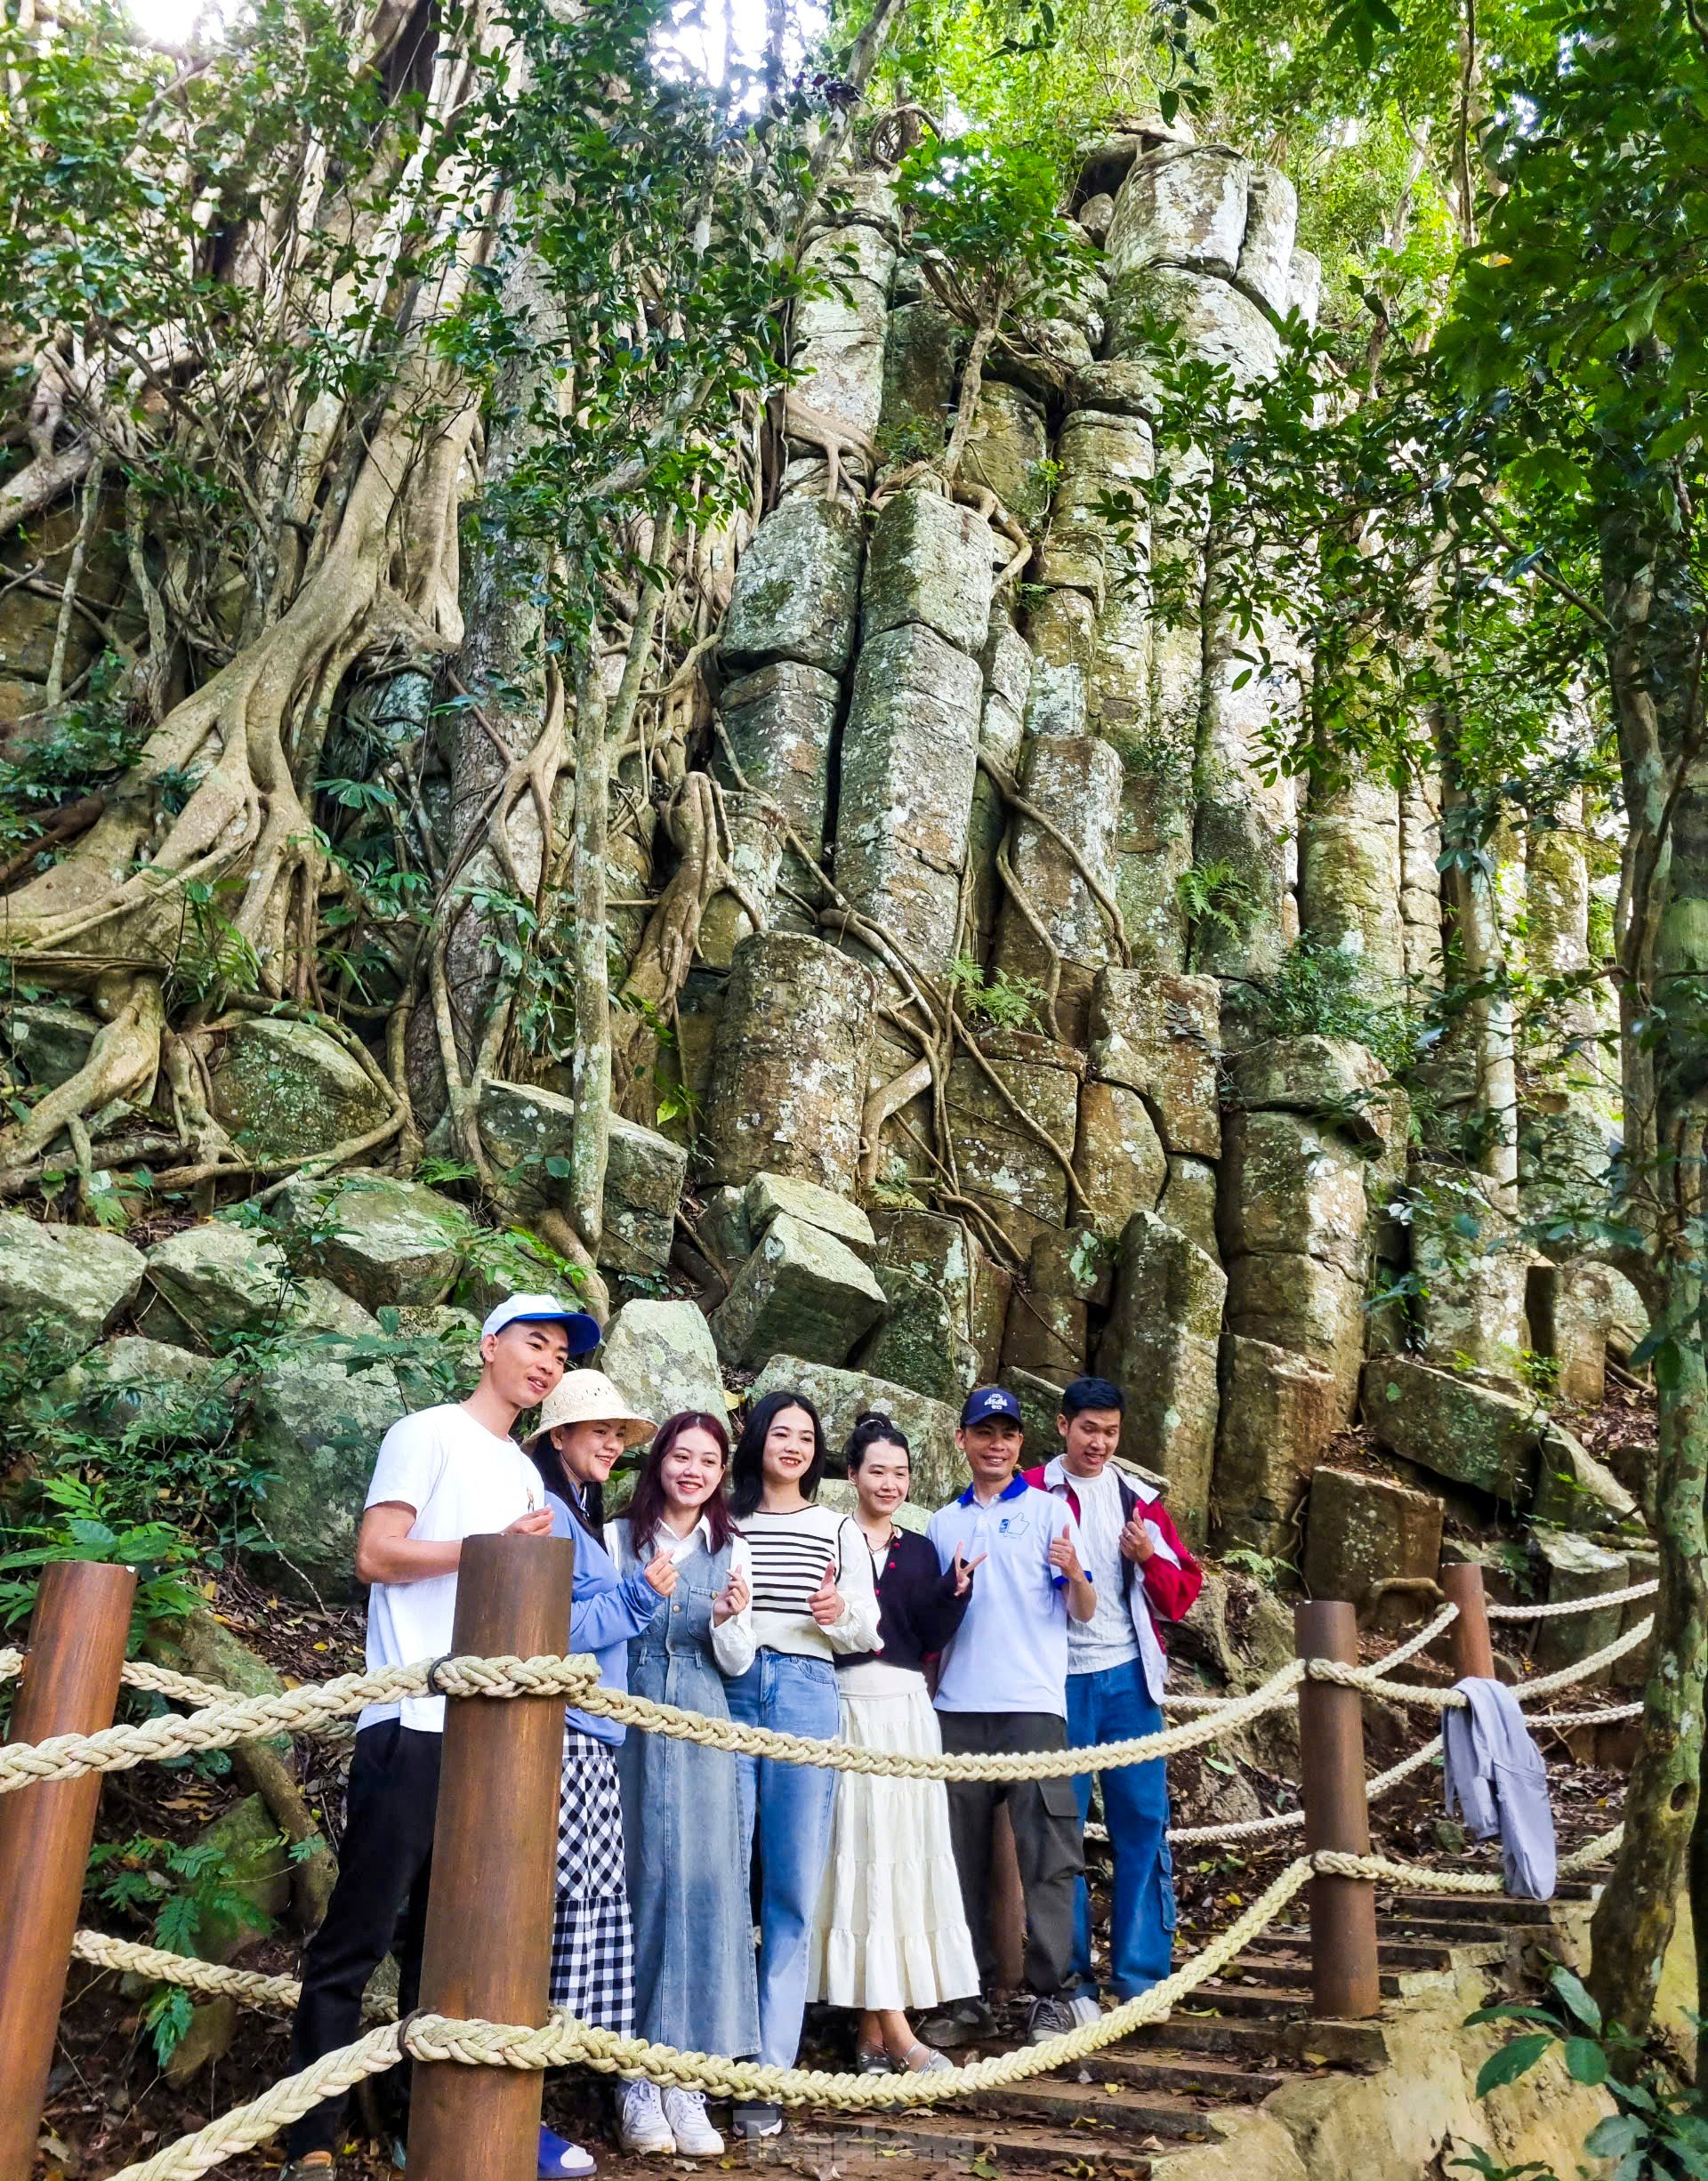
(1170, 1592)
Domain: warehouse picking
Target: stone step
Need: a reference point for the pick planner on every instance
(1093, 2110)
(1392, 1953)
(1293, 1969)
(1261, 2045)
(1409, 1909)
(812, 2146)
(1283, 1997)
(1189, 2074)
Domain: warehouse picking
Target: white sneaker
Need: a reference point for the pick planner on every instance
(685, 2117)
(642, 2125)
(1086, 2010)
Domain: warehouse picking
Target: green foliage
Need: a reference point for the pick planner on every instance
(86, 743)
(181, 1887)
(73, 1519)
(1323, 991)
(1265, 1569)
(1219, 896)
(1659, 2128)
(1005, 1002)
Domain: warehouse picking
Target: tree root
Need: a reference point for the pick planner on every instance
(123, 1060)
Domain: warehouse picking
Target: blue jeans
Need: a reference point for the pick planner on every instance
(791, 1804)
(1114, 1706)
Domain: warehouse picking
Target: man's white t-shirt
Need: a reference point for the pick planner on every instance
(1108, 1638)
(462, 1481)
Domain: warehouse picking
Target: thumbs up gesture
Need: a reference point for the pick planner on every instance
(1063, 1558)
(826, 1604)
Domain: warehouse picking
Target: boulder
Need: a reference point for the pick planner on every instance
(1076, 779)
(318, 1429)
(661, 1359)
(1278, 1411)
(1160, 1346)
(1331, 1078)
(923, 1342)
(1578, 1570)
(796, 587)
(50, 1040)
(645, 1174)
(1181, 204)
(1266, 252)
(217, 1278)
(1003, 1164)
(1292, 1187)
(130, 1382)
(62, 1286)
(285, 1090)
(1158, 1035)
(918, 375)
(768, 1195)
(1211, 319)
(380, 1238)
(910, 757)
(1303, 1303)
(1574, 1490)
(1118, 1156)
(1040, 1400)
(1048, 1317)
(255, 1868)
(931, 563)
(1007, 450)
(802, 1293)
(1362, 1531)
(929, 1426)
(781, 722)
(1468, 1433)
(1189, 1200)
(788, 1085)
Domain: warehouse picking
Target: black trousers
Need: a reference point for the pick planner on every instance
(378, 1906)
(1049, 1841)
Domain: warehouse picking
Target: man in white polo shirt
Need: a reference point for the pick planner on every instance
(1001, 1686)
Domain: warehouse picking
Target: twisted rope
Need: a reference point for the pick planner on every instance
(248, 1718)
(1450, 1699)
(1571, 1605)
(1334, 1862)
(564, 2042)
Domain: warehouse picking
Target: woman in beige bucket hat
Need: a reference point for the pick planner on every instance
(585, 1426)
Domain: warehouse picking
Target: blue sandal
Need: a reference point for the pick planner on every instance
(561, 2159)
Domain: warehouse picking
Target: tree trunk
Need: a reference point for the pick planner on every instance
(590, 1070)
(1655, 673)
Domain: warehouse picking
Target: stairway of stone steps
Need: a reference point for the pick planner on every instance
(1188, 2080)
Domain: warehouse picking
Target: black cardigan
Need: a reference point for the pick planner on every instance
(918, 1611)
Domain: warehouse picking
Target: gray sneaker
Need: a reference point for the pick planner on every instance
(963, 2024)
(1048, 2018)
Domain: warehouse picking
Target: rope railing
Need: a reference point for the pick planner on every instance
(564, 2042)
(1568, 1608)
(218, 1725)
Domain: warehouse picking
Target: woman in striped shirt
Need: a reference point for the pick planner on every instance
(813, 1600)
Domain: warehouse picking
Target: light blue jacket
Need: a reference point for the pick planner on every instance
(607, 1609)
(1496, 1778)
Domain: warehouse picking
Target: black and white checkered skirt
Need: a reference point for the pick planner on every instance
(593, 1942)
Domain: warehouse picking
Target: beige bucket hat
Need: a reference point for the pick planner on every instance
(588, 1397)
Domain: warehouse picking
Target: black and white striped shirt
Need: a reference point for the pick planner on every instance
(792, 1555)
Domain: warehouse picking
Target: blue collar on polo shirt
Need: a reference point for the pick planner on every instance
(1017, 1483)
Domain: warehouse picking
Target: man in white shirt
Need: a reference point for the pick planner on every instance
(1001, 1686)
(1117, 1671)
(443, 1474)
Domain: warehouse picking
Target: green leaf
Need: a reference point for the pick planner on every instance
(1620, 2132)
(1585, 2061)
(1572, 1991)
(1511, 2062)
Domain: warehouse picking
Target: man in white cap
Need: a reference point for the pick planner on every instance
(443, 1474)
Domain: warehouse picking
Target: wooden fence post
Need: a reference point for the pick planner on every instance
(1473, 1653)
(487, 1946)
(1345, 1981)
(69, 1687)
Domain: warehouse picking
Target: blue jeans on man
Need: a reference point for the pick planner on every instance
(1115, 1706)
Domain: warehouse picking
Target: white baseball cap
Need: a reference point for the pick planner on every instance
(584, 1333)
